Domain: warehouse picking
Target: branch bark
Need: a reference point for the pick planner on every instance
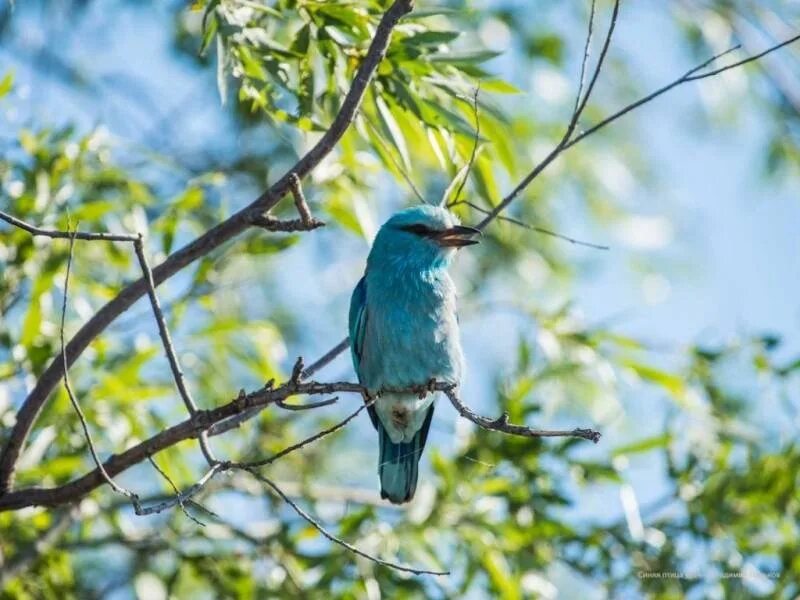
(203, 420)
(201, 246)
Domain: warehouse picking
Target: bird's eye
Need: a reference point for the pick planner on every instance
(418, 229)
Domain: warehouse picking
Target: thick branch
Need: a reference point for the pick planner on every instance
(203, 245)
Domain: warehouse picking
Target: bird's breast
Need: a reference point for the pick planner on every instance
(412, 334)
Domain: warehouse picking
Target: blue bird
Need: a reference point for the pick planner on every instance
(404, 333)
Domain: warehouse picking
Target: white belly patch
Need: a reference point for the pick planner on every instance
(403, 414)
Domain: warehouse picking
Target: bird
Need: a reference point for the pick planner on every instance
(404, 333)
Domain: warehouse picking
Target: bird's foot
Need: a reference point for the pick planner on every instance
(428, 388)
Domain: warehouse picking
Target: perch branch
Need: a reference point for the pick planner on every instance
(205, 419)
(502, 425)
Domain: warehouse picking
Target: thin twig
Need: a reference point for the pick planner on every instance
(586, 51)
(300, 200)
(305, 222)
(393, 158)
(73, 400)
(535, 228)
(78, 235)
(327, 534)
(502, 425)
(690, 75)
(183, 497)
(576, 114)
(178, 497)
(319, 435)
(166, 341)
(475, 142)
(325, 358)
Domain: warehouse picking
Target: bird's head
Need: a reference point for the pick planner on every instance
(422, 236)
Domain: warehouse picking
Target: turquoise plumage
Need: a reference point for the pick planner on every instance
(404, 332)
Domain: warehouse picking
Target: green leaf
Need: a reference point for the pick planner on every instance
(222, 77)
(432, 38)
(498, 86)
(651, 443)
(393, 130)
(6, 83)
(469, 57)
(672, 383)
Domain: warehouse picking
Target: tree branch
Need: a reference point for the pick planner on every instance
(502, 425)
(580, 104)
(78, 235)
(166, 341)
(205, 419)
(692, 74)
(327, 534)
(73, 400)
(201, 246)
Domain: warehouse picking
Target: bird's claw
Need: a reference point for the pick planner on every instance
(428, 388)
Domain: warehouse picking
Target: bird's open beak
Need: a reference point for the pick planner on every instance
(457, 236)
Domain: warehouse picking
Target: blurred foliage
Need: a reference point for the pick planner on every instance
(507, 516)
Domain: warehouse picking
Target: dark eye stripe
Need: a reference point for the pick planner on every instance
(418, 229)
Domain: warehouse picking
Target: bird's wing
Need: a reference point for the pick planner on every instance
(358, 328)
(358, 323)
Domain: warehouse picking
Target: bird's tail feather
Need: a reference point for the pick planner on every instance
(398, 464)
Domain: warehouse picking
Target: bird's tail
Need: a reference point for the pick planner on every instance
(398, 464)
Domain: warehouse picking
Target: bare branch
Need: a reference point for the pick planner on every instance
(178, 497)
(73, 400)
(306, 222)
(326, 358)
(78, 235)
(525, 225)
(287, 226)
(209, 241)
(579, 104)
(300, 199)
(692, 74)
(576, 114)
(166, 341)
(475, 142)
(305, 442)
(206, 419)
(502, 425)
(336, 540)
